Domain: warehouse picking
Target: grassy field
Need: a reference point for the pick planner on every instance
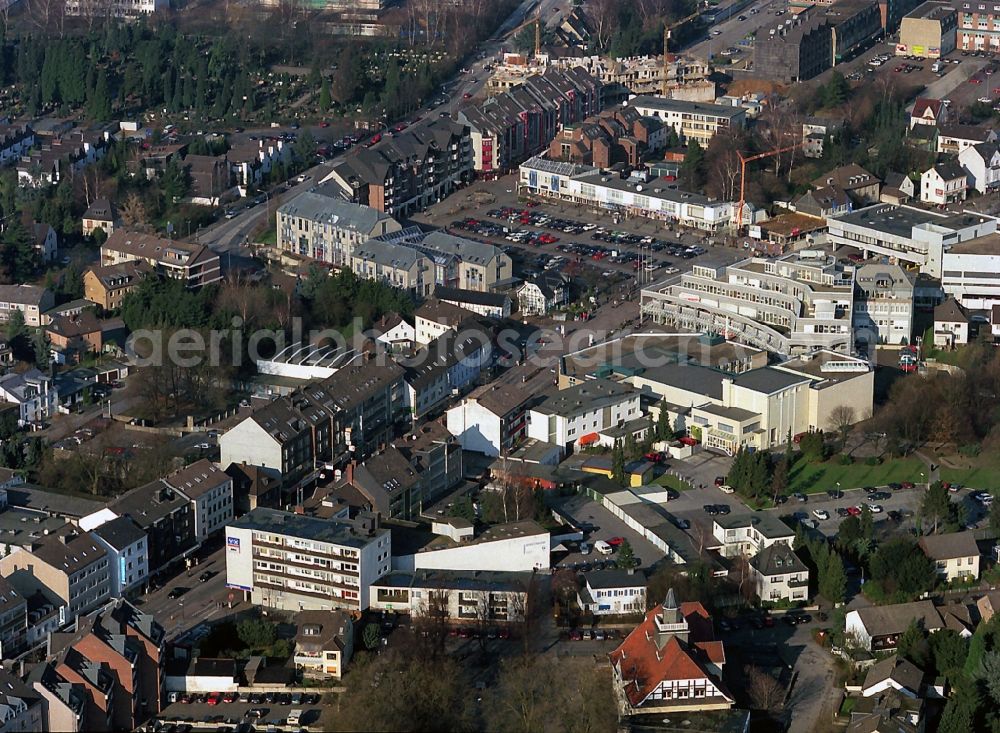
(816, 477)
(979, 477)
(672, 482)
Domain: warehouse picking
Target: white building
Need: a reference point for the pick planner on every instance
(906, 234)
(210, 490)
(883, 304)
(294, 562)
(779, 575)
(543, 293)
(31, 300)
(878, 628)
(982, 166)
(517, 547)
(482, 597)
(590, 186)
(748, 534)
(489, 305)
(128, 554)
(953, 139)
(691, 120)
(491, 420)
(955, 555)
(115, 8)
(565, 416)
(951, 325)
(970, 272)
(33, 393)
(607, 592)
(943, 183)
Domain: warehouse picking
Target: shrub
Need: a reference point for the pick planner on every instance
(873, 461)
(845, 460)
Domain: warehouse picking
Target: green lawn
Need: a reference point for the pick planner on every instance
(981, 477)
(672, 482)
(810, 478)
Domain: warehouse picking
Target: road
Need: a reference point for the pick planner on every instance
(732, 31)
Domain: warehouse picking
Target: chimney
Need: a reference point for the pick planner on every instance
(349, 476)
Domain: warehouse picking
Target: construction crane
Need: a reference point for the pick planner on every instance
(743, 175)
(537, 22)
(667, 32)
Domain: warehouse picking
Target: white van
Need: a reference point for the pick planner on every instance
(936, 67)
(603, 547)
(293, 717)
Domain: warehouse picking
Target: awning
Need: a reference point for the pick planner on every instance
(589, 438)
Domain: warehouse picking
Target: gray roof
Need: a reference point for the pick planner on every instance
(894, 619)
(26, 294)
(950, 312)
(615, 579)
(778, 559)
(902, 671)
(468, 250)
(456, 580)
(949, 170)
(337, 213)
(765, 523)
(387, 254)
(587, 396)
(949, 546)
(298, 525)
(78, 551)
(690, 377)
(767, 380)
(120, 533)
(900, 220)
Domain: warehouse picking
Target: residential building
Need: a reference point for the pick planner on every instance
(491, 420)
(564, 417)
(955, 555)
(328, 229)
(193, 264)
(480, 598)
(878, 628)
(251, 161)
(612, 592)
(388, 482)
(543, 293)
(978, 25)
(355, 410)
(953, 139)
(929, 31)
(44, 239)
(895, 673)
(515, 547)
(66, 705)
(73, 337)
(166, 517)
(253, 487)
(100, 215)
(861, 186)
(13, 622)
(893, 12)
(638, 195)
(34, 394)
(124, 643)
(128, 555)
(883, 304)
(127, 9)
(107, 285)
(854, 24)
(437, 457)
(951, 325)
(906, 234)
(509, 128)
(16, 139)
(794, 304)
(22, 709)
(59, 156)
(779, 575)
(435, 318)
(486, 304)
(988, 606)
(395, 265)
(671, 663)
(620, 135)
(324, 642)
(210, 178)
(31, 300)
(928, 111)
(796, 50)
(815, 131)
(897, 189)
(943, 183)
(293, 562)
(210, 491)
(446, 367)
(690, 120)
(67, 566)
(982, 166)
(824, 202)
(408, 172)
(750, 534)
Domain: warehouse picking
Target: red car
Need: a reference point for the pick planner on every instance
(975, 81)
(230, 697)
(466, 96)
(687, 441)
(853, 511)
(213, 698)
(653, 457)
(720, 480)
(615, 541)
(324, 123)
(909, 485)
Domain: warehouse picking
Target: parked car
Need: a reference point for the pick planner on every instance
(177, 592)
(799, 496)
(821, 514)
(603, 547)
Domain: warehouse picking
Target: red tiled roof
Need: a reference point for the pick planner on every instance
(923, 103)
(643, 667)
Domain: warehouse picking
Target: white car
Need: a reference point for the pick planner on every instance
(716, 33)
(821, 514)
(875, 508)
(727, 489)
(603, 547)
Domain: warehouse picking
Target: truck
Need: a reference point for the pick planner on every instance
(294, 716)
(936, 67)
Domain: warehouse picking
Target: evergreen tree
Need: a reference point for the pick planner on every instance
(618, 464)
(779, 478)
(789, 450)
(42, 348)
(663, 422)
(867, 523)
(760, 474)
(626, 556)
(324, 96)
(936, 508)
(961, 711)
(694, 164)
(630, 447)
(913, 645)
(834, 580)
(99, 107)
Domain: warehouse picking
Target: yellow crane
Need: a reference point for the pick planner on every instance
(667, 33)
(537, 22)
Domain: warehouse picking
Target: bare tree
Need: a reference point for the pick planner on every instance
(603, 16)
(842, 418)
(765, 692)
(133, 212)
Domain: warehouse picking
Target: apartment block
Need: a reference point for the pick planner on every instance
(294, 562)
(128, 554)
(930, 31)
(564, 417)
(328, 229)
(13, 621)
(791, 305)
(491, 420)
(210, 491)
(68, 566)
(193, 264)
(407, 172)
(883, 304)
(690, 120)
(30, 300)
(125, 9)
(483, 598)
(107, 285)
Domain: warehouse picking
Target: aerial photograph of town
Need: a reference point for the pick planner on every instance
(518, 366)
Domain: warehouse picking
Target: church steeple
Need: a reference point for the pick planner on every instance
(670, 622)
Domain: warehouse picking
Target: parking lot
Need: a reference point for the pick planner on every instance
(199, 714)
